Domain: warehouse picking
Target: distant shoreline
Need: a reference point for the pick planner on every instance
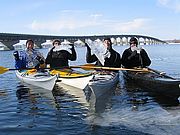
(174, 43)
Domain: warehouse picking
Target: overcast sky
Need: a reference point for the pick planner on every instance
(156, 18)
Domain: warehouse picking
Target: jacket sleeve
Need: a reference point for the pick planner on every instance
(117, 60)
(90, 58)
(126, 60)
(19, 64)
(49, 57)
(72, 56)
(145, 58)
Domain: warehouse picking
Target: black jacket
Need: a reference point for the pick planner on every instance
(113, 61)
(133, 59)
(60, 58)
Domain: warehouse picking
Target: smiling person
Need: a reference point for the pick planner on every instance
(29, 58)
(60, 55)
(134, 56)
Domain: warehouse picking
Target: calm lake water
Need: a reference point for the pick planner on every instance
(34, 111)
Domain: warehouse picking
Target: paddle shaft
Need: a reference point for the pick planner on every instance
(109, 68)
(3, 69)
(12, 69)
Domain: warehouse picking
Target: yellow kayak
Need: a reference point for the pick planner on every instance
(69, 73)
(72, 78)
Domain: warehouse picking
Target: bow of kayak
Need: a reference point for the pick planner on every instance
(37, 78)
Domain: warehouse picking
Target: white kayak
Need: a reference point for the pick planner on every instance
(71, 78)
(79, 82)
(103, 82)
(39, 79)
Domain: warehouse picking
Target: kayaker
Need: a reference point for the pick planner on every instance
(112, 58)
(59, 55)
(135, 56)
(28, 58)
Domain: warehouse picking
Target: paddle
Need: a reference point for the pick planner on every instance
(86, 67)
(91, 66)
(160, 73)
(4, 69)
(109, 68)
(155, 71)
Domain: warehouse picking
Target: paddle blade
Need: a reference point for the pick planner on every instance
(3, 70)
(87, 67)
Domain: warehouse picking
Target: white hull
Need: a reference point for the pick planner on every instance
(19, 46)
(3, 48)
(80, 83)
(43, 80)
(102, 83)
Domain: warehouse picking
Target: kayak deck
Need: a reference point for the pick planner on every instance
(154, 82)
(103, 82)
(72, 78)
(36, 78)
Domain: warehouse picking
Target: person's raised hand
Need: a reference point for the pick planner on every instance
(72, 46)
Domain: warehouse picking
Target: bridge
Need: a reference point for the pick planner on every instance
(9, 39)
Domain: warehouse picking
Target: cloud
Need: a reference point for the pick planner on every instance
(64, 24)
(130, 26)
(171, 4)
(66, 21)
(74, 24)
(96, 15)
(81, 22)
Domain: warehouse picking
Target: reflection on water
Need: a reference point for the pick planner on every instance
(60, 98)
(3, 93)
(75, 103)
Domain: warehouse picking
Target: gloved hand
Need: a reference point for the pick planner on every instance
(37, 66)
(133, 54)
(139, 50)
(40, 59)
(16, 55)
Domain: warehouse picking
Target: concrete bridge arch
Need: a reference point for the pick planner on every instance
(9, 39)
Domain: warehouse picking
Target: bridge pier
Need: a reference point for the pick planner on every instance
(38, 43)
(10, 43)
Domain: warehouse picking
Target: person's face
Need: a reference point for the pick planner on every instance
(56, 43)
(107, 43)
(133, 44)
(30, 45)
